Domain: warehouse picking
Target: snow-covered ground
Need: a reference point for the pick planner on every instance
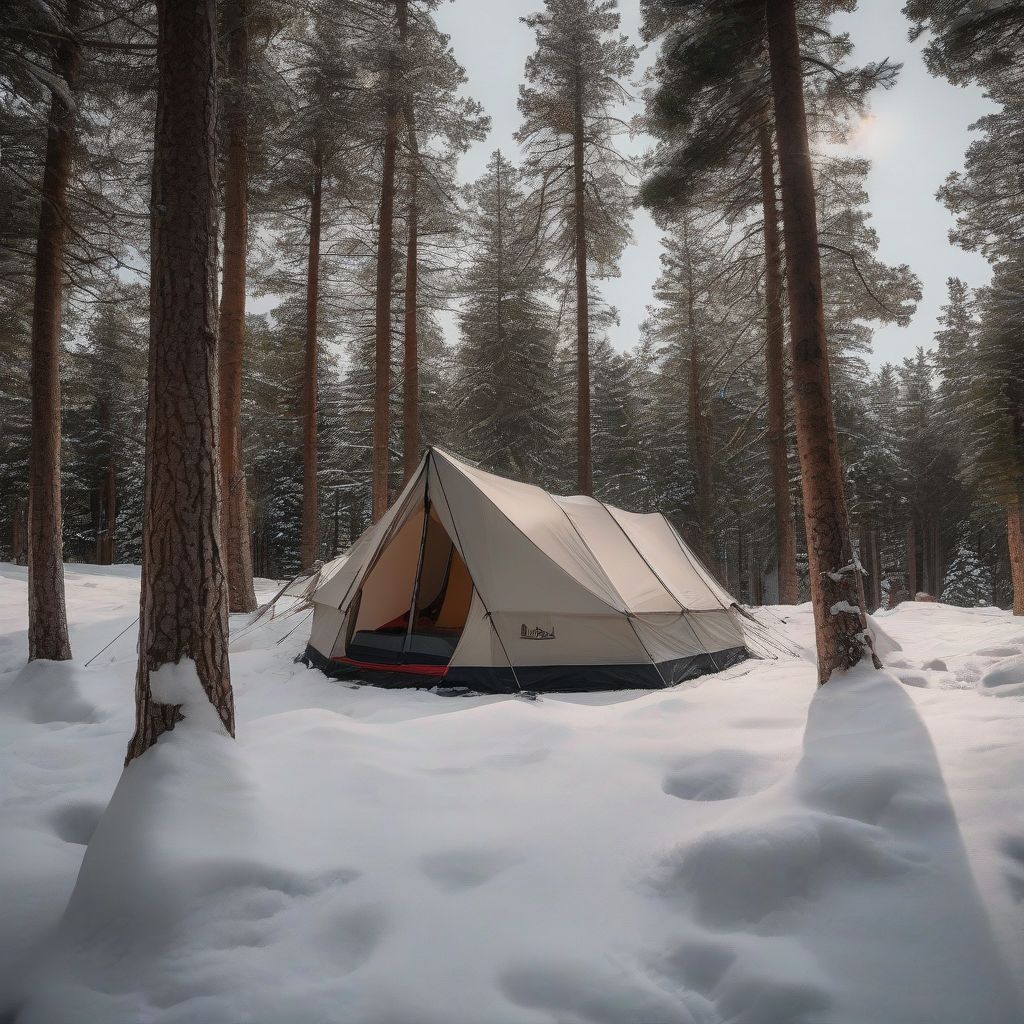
(742, 849)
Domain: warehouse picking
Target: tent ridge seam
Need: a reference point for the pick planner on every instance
(532, 542)
(654, 573)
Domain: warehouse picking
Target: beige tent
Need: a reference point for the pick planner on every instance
(477, 581)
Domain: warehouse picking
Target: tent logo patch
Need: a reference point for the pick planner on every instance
(535, 634)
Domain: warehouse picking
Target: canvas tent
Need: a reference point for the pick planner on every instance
(473, 580)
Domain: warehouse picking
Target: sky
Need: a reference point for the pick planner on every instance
(917, 134)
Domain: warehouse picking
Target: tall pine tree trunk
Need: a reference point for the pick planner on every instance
(1015, 540)
(411, 357)
(47, 616)
(839, 619)
(310, 543)
(785, 528)
(19, 541)
(699, 424)
(872, 564)
(108, 507)
(584, 457)
(237, 547)
(875, 568)
(911, 561)
(385, 274)
(184, 608)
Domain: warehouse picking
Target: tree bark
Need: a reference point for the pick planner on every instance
(410, 377)
(47, 615)
(106, 504)
(184, 606)
(19, 541)
(310, 543)
(238, 552)
(335, 540)
(584, 455)
(106, 538)
(385, 273)
(699, 423)
(911, 561)
(839, 619)
(938, 570)
(876, 568)
(1015, 541)
(785, 528)
(870, 561)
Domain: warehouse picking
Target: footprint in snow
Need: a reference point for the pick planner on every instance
(719, 775)
(767, 981)
(1013, 848)
(76, 822)
(999, 652)
(455, 870)
(765, 876)
(591, 993)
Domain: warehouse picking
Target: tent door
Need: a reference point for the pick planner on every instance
(428, 631)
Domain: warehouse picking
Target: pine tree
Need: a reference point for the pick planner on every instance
(47, 617)
(184, 608)
(439, 125)
(836, 594)
(104, 428)
(237, 549)
(998, 417)
(318, 179)
(968, 40)
(505, 378)
(393, 100)
(709, 106)
(972, 42)
(573, 87)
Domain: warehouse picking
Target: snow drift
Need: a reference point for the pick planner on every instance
(740, 849)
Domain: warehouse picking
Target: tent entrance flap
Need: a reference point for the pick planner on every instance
(415, 602)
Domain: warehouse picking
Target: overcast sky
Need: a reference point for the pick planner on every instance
(917, 135)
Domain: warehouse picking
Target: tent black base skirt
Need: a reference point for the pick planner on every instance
(530, 678)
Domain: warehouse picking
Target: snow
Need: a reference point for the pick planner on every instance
(744, 848)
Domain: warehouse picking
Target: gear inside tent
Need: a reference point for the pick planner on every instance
(476, 581)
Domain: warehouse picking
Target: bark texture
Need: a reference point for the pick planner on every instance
(237, 547)
(19, 531)
(699, 425)
(184, 608)
(584, 457)
(1015, 538)
(410, 365)
(47, 615)
(310, 543)
(911, 561)
(775, 367)
(385, 274)
(839, 619)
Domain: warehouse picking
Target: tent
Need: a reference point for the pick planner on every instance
(476, 581)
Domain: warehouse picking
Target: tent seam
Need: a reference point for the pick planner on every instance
(654, 573)
(537, 547)
(487, 611)
(628, 614)
(686, 555)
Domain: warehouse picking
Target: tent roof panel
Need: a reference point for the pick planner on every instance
(639, 587)
(658, 543)
(535, 516)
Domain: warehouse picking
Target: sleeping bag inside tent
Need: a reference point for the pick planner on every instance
(471, 580)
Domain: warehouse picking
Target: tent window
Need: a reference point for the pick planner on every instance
(442, 592)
